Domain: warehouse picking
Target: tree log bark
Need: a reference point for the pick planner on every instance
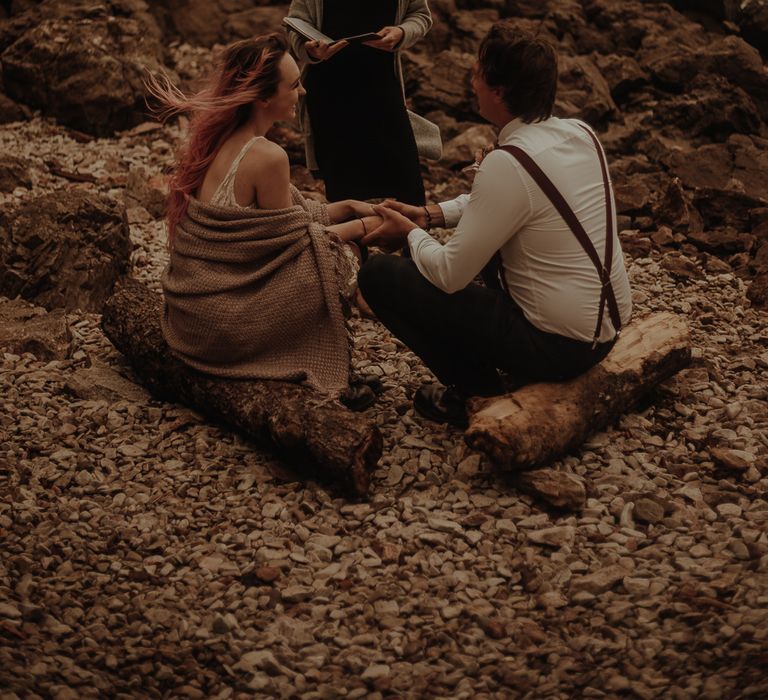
(539, 423)
(320, 436)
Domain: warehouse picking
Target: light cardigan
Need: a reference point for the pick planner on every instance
(253, 294)
(412, 16)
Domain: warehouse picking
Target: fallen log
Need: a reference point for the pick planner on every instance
(541, 422)
(321, 436)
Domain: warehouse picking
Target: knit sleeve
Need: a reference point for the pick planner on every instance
(317, 210)
(416, 23)
(301, 9)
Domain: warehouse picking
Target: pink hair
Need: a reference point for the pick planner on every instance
(249, 72)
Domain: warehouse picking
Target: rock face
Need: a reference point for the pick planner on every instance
(206, 22)
(83, 64)
(63, 250)
(750, 16)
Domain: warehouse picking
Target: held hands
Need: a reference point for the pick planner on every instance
(416, 214)
(390, 38)
(393, 231)
(322, 51)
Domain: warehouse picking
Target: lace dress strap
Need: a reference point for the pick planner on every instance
(224, 196)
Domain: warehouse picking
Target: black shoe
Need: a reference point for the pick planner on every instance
(358, 397)
(371, 380)
(442, 404)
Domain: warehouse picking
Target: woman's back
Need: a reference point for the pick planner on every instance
(248, 171)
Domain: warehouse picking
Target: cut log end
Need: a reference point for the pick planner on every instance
(542, 422)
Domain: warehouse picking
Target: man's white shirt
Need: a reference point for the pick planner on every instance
(547, 272)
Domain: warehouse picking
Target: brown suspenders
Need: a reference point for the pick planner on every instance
(558, 201)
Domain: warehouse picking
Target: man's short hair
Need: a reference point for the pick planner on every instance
(523, 66)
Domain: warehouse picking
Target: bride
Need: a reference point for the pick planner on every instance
(259, 276)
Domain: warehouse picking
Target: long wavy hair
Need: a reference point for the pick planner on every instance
(248, 71)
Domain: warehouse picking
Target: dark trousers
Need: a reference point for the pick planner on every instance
(466, 337)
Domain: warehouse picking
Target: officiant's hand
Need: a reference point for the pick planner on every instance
(391, 38)
(393, 231)
(322, 51)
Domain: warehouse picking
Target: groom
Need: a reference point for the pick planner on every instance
(539, 222)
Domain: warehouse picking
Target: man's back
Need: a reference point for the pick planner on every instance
(546, 269)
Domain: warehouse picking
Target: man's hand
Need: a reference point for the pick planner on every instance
(390, 39)
(393, 231)
(322, 51)
(409, 211)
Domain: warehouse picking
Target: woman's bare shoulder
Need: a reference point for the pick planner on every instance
(264, 155)
(266, 169)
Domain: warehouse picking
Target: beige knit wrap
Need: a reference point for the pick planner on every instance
(252, 293)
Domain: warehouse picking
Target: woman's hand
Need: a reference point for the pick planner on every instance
(322, 51)
(391, 37)
(347, 209)
(359, 209)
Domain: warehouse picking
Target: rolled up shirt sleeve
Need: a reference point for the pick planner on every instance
(453, 209)
(497, 207)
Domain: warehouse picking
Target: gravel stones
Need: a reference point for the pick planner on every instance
(148, 553)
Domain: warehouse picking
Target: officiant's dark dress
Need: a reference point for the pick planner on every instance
(364, 144)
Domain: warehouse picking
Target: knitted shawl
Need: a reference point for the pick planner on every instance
(252, 294)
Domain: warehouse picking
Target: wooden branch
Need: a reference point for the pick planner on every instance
(321, 436)
(539, 423)
(55, 168)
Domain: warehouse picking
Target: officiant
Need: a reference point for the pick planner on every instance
(357, 131)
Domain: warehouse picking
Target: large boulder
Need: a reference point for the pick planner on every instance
(84, 66)
(63, 250)
(711, 106)
(740, 164)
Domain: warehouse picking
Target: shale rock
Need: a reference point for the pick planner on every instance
(63, 250)
(443, 83)
(85, 68)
